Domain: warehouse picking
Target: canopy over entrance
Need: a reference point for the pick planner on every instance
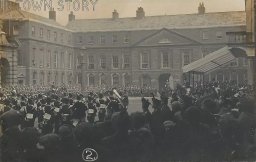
(214, 60)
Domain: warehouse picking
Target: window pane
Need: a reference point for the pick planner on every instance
(115, 78)
(126, 61)
(103, 62)
(115, 61)
(41, 32)
(91, 62)
(91, 80)
(165, 60)
(55, 60)
(102, 39)
(33, 31)
(144, 60)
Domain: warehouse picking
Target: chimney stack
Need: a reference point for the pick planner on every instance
(201, 8)
(140, 13)
(52, 14)
(115, 15)
(71, 16)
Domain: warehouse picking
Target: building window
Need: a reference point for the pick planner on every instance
(55, 36)
(103, 62)
(33, 31)
(78, 62)
(41, 62)
(48, 64)
(42, 78)
(219, 35)
(126, 61)
(205, 35)
(126, 39)
(56, 78)
(55, 61)
(165, 59)
(115, 62)
(62, 58)
(41, 32)
(34, 76)
(70, 60)
(102, 79)
(90, 62)
(144, 60)
(186, 57)
(48, 34)
(102, 39)
(34, 57)
(115, 79)
(91, 40)
(91, 80)
(49, 78)
(114, 38)
(236, 37)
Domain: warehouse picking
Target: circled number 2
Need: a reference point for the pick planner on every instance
(89, 155)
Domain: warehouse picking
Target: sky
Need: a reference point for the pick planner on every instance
(127, 8)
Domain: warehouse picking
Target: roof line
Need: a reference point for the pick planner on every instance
(109, 18)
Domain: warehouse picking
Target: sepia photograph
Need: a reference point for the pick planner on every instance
(127, 80)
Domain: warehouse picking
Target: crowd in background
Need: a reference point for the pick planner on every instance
(210, 122)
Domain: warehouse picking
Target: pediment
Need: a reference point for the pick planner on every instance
(165, 37)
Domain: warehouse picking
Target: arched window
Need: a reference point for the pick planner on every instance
(42, 78)
(62, 77)
(102, 79)
(56, 78)
(49, 77)
(70, 78)
(91, 80)
(115, 80)
(34, 77)
(127, 79)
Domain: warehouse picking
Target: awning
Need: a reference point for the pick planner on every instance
(214, 60)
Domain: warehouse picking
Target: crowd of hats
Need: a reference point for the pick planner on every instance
(212, 122)
(131, 90)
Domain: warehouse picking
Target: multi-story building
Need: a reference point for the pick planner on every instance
(141, 50)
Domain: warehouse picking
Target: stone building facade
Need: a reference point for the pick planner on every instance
(141, 50)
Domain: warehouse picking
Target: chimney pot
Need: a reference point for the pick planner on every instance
(201, 8)
(115, 15)
(140, 13)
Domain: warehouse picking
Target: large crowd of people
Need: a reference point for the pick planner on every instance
(210, 122)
